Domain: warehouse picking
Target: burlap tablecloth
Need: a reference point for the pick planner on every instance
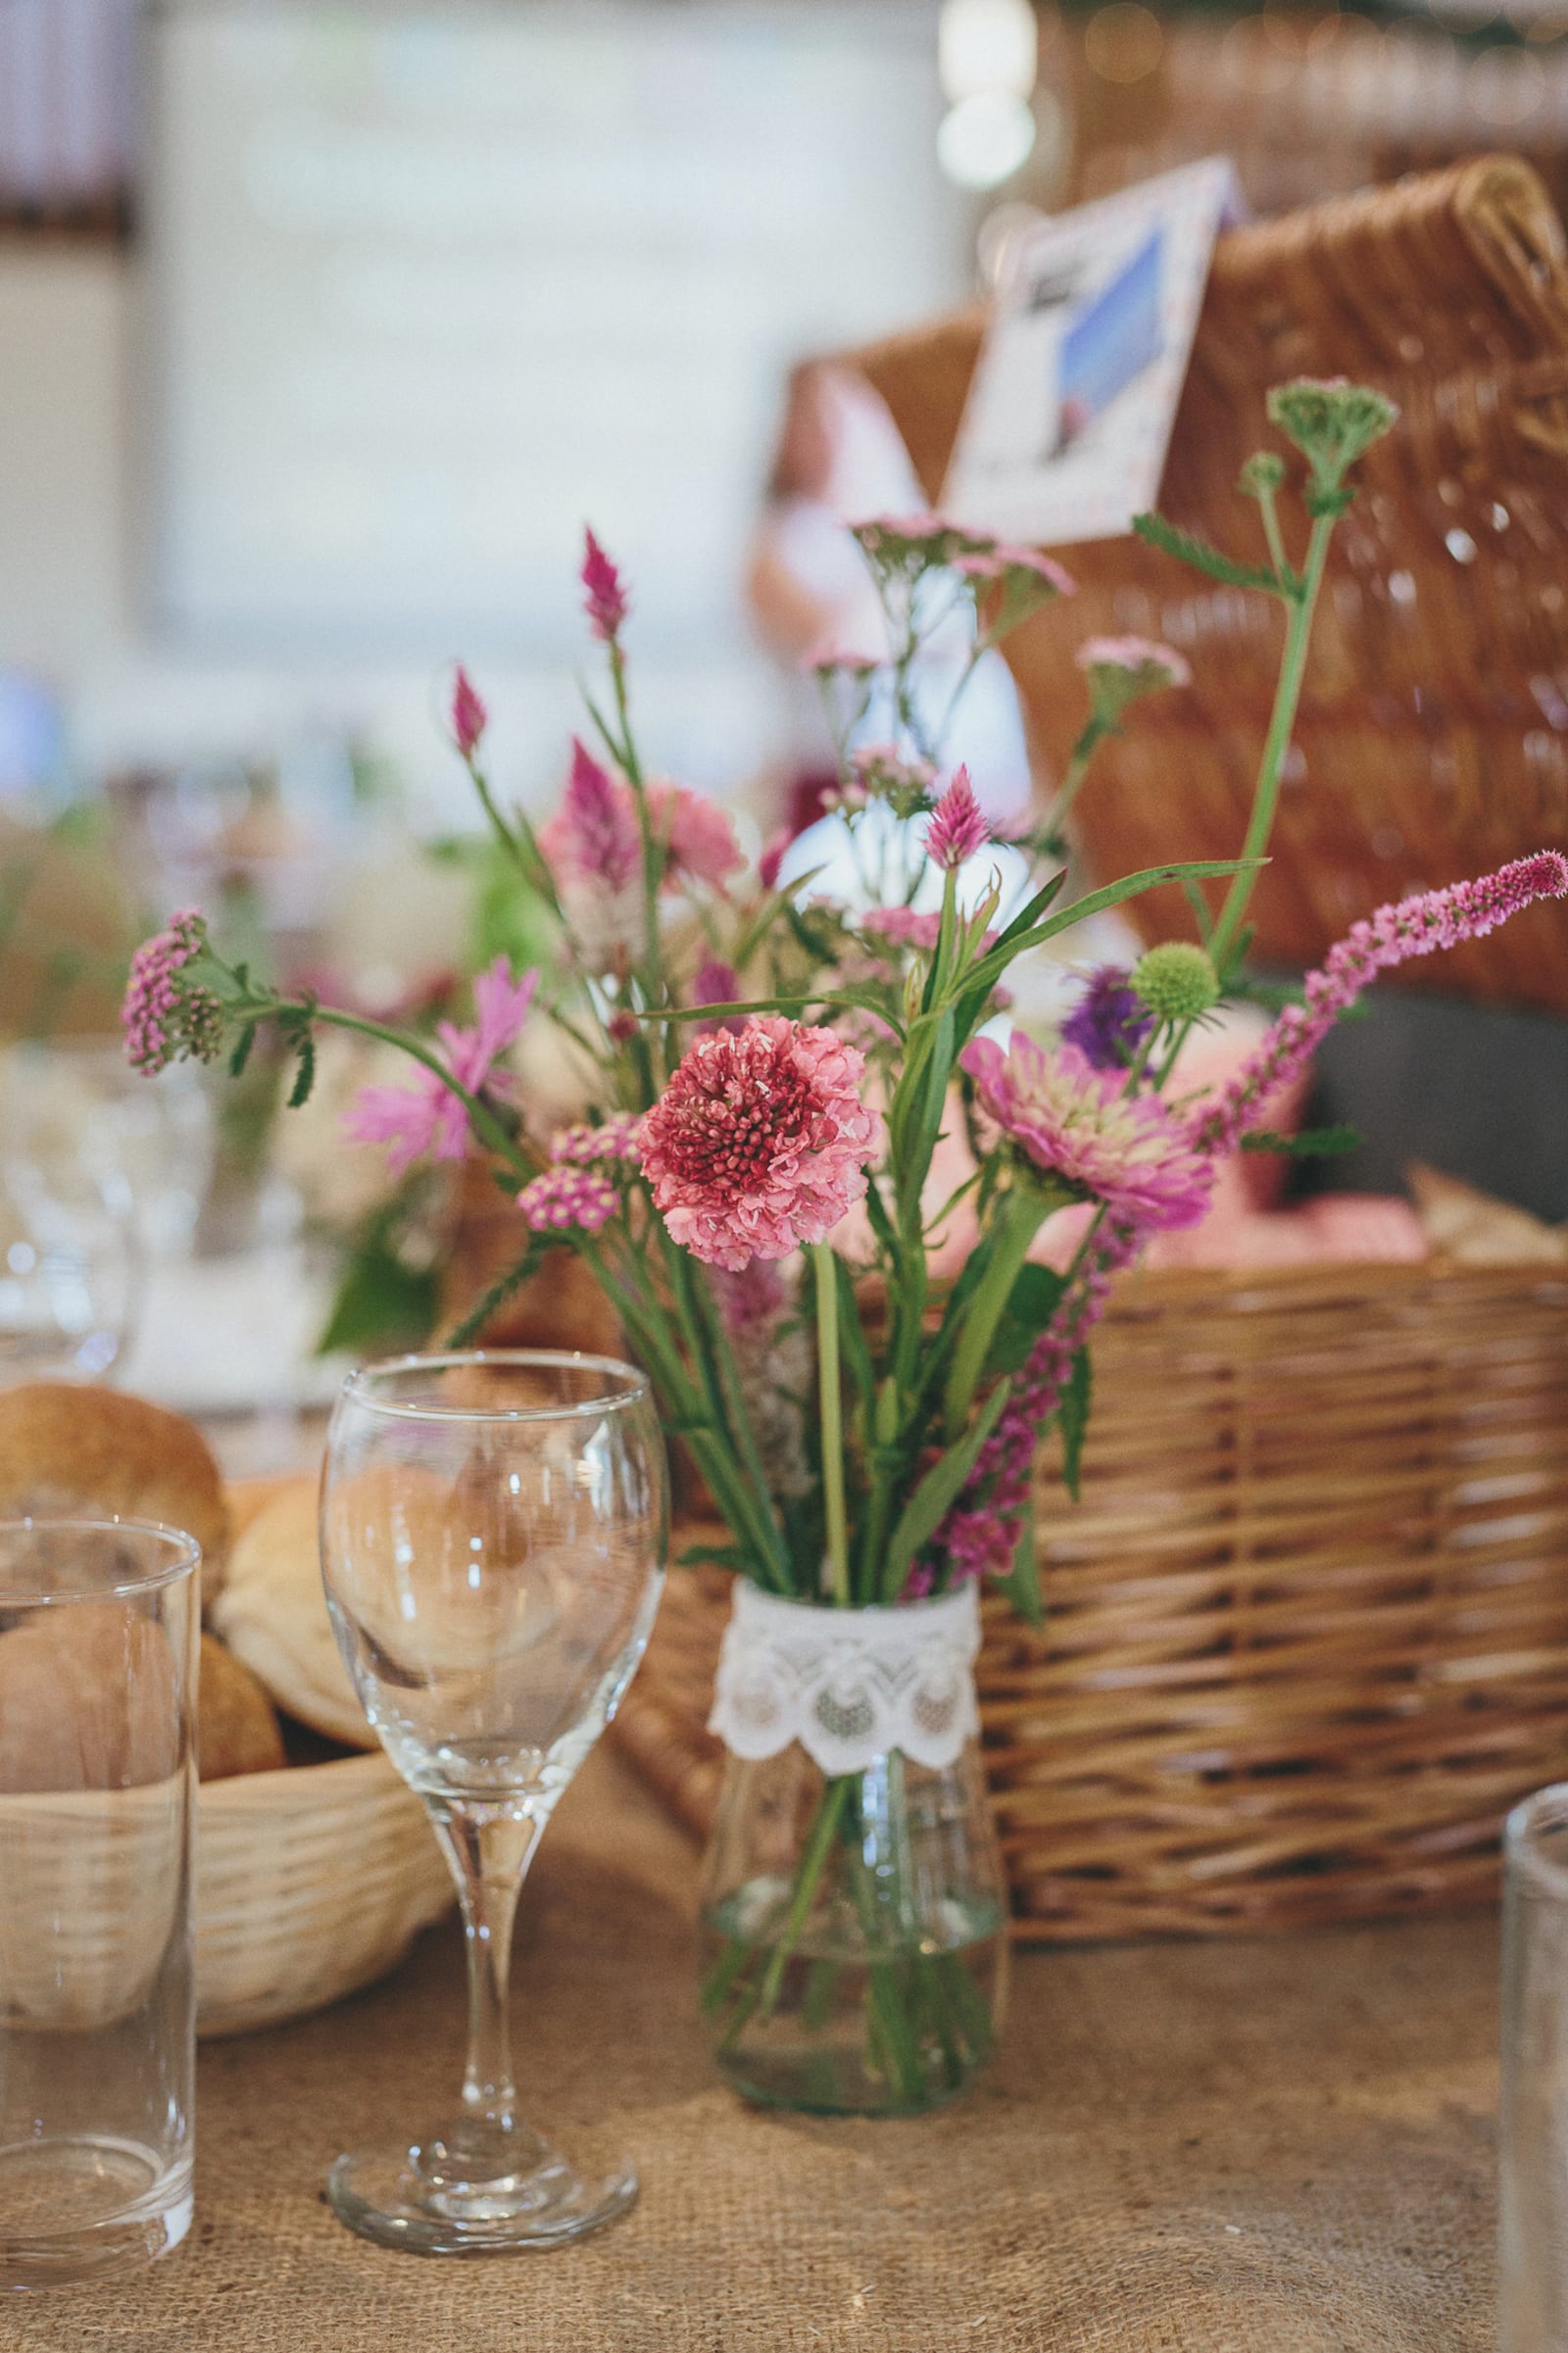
(1266, 2147)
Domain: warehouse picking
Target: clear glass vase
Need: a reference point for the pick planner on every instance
(855, 1932)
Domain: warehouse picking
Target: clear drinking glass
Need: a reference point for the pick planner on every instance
(492, 1531)
(1533, 2132)
(98, 1628)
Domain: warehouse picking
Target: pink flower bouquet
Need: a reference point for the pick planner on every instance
(769, 1076)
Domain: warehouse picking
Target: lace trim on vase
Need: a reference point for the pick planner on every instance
(850, 1685)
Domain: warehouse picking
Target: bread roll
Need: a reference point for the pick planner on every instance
(65, 1450)
(87, 1700)
(272, 1615)
(237, 1730)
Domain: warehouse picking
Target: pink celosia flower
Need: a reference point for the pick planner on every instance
(699, 839)
(757, 1144)
(593, 836)
(427, 1116)
(581, 1146)
(606, 601)
(469, 716)
(958, 830)
(1076, 1122)
(1416, 926)
(165, 1019)
(1135, 655)
(995, 563)
(564, 1197)
(980, 1533)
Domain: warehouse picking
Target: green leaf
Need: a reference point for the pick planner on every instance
(1021, 1586)
(1200, 907)
(1311, 1144)
(991, 968)
(852, 1344)
(1031, 1303)
(1157, 532)
(917, 1521)
(305, 1076)
(381, 1303)
(242, 1050)
(717, 1556)
(1073, 1415)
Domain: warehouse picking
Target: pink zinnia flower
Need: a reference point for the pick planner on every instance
(697, 837)
(958, 830)
(564, 1196)
(1077, 1122)
(1416, 926)
(427, 1116)
(757, 1144)
(165, 1019)
(469, 716)
(593, 836)
(606, 601)
(1135, 655)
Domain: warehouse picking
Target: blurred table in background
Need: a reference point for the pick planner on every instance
(1277, 2146)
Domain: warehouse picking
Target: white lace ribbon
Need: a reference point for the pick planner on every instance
(850, 1685)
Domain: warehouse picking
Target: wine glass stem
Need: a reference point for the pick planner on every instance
(489, 1848)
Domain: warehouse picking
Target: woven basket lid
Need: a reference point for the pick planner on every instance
(1433, 739)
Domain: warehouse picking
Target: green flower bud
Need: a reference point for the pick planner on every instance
(1331, 422)
(1263, 472)
(1176, 981)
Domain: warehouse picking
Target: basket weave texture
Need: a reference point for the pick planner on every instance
(1433, 740)
(1306, 1635)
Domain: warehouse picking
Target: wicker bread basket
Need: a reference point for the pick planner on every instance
(310, 1882)
(1306, 1635)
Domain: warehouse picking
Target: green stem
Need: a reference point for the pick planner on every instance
(1078, 766)
(1018, 1220)
(1282, 723)
(832, 1412)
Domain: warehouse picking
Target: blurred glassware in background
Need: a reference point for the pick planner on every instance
(1533, 2124)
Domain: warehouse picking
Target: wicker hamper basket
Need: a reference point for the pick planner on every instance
(1307, 1632)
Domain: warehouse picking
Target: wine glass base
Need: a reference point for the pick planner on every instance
(433, 2199)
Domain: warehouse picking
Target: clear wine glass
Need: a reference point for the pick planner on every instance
(493, 1532)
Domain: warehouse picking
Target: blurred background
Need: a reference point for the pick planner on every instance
(325, 325)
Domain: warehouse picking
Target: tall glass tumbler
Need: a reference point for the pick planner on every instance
(98, 1630)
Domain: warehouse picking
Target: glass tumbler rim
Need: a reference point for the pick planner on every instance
(632, 1387)
(184, 1561)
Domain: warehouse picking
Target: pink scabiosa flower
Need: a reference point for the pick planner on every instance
(1077, 1123)
(565, 1199)
(757, 1144)
(426, 1117)
(958, 829)
(605, 600)
(470, 717)
(167, 1017)
(1420, 925)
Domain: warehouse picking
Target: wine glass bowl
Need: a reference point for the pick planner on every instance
(493, 1532)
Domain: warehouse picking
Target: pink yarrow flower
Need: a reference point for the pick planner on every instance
(757, 1144)
(995, 563)
(604, 601)
(1077, 1123)
(470, 717)
(1135, 655)
(958, 829)
(580, 1146)
(566, 1197)
(1420, 925)
(164, 1018)
(426, 1117)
